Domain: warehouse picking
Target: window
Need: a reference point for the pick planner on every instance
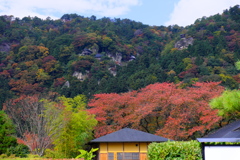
(127, 156)
(110, 156)
(120, 156)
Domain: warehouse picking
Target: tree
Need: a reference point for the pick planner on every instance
(235, 12)
(228, 104)
(35, 123)
(237, 65)
(7, 139)
(165, 109)
(77, 127)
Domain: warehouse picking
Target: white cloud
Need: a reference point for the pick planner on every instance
(187, 11)
(45, 8)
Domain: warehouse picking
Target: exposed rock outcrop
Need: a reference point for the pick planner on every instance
(4, 47)
(184, 43)
(80, 76)
(113, 71)
(66, 84)
(116, 58)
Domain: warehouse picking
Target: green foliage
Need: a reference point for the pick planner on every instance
(25, 59)
(8, 143)
(36, 54)
(222, 143)
(76, 129)
(87, 155)
(6, 133)
(228, 104)
(50, 153)
(19, 151)
(237, 64)
(2, 156)
(188, 150)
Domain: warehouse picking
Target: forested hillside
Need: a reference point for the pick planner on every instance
(84, 55)
(114, 55)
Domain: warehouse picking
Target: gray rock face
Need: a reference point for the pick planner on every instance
(116, 58)
(4, 47)
(66, 84)
(80, 76)
(113, 71)
(184, 43)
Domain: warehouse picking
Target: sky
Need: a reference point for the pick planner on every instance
(150, 12)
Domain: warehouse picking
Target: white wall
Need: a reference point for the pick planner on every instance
(222, 152)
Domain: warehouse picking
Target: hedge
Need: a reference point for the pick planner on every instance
(175, 150)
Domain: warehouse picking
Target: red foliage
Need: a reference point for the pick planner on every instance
(59, 82)
(29, 140)
(82, 64)
(22, 87)
(33, 141)
(48, 59)
(27, 114)
(237, 78)
(193, 70)
(5, 74)
(161, 108)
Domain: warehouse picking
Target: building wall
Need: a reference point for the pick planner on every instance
(115, 148)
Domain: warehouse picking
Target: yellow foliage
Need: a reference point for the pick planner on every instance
(172, 72)
(189, 66)
(29, 63)
(174, 49)
(43, 52)
(41, 75)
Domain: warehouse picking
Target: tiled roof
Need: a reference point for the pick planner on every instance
(231, 130)
(228, 133)
(129, 135)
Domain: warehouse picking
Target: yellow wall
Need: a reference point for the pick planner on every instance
(122, 147)
(143, 147)
(115, 147)
(131, 147)
(103, 148)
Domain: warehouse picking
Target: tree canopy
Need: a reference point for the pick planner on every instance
(228, 104)
(164, 109)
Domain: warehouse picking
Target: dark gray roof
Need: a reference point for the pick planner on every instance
(218, 139)
(129, 135)
(98, 55)
(228, 133)
(231, 130)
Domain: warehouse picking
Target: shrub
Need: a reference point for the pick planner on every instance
(2, 156)
(87, 155)
(49, 153)
(19, 151)
(189, 150)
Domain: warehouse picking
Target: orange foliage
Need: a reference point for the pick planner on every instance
(59, 82)
(21, 86)
(5, 74)
(29, 140)
(161, 108)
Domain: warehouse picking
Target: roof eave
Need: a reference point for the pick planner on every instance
(202, 140)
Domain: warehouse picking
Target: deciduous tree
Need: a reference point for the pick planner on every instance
(77, 127)
(161, 108)
(35, 123)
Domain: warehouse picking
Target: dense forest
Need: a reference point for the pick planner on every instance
(114, 66)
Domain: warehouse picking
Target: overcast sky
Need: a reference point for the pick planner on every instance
(151, 12)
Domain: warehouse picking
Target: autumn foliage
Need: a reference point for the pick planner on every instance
(27, 113)
(165, 109)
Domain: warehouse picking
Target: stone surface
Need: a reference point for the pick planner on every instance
(184, 43)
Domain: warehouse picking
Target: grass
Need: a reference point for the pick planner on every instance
(30, 157)
(22, 158)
